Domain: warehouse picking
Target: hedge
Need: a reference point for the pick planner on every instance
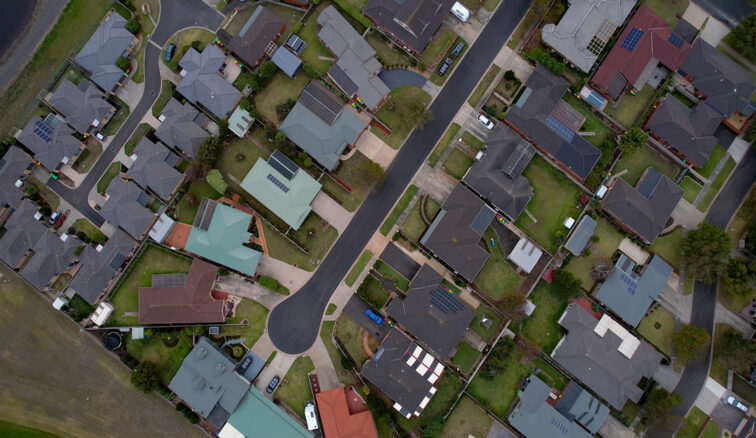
(215, 179)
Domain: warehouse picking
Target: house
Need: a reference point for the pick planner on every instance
(14, 166)
(525, 255)
(258, 416)
(497, 174)
(240, 121)
(182, 127)
(22, 232)
(645, 209)
(287, 61)
(202, 82)
(155, 168)
(182, 298)
(432, 312)
(551, 124)
(282, 187)
(83, 105)
(581, 236)
(52, 255)
(646, 42)
(455, 234)
(109, 42)
(687, 132)
(405, 372)
(206, 382)
(127, 206)
(604, 356)
(51, 141)
(628, 294)
(321, 125)
(585, 28)
(580, 406)
(99, 264)
(356, 69)
(262, 29)
(221, 233)
(410, 23)
(344, 414)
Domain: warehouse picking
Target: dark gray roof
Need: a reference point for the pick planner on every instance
(122, 208)
(432, 313)
(182, 127)
(579, 405)
(81, 105)
(498, 175)
(597, 361)
(412, 21)
(645, 215)
(581, 236)
(689, 130)
(153, 168)
(685, 30)
(262, 27)
(288, 62)
(203, 84)
(99, 265)
(22, 232)
(728, 86)
(51, 141)
(12, 167)
(99, 54)
(52, 255)
(532, 115)
(630, 295)
(452, 236)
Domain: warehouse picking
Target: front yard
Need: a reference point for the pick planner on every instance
(388, 272)
(386, 51)
(254, 315)
(640, 160)
(315, 235)
(413, 226)
(346, 377)
(669, 247)
(497, 278)
(716, 155)
(86, 227)
(443, 144)
(716, 185)
(349, 333)
(113, 170)
(120, 116)
(136, 137)
(401, 113)
(483, 85)
(542, 327)
(88, 156)
(691, 187)
(295, 387)
(658, 328)
(371, 290)
(457, 164)
(591, 124)
(352, 173)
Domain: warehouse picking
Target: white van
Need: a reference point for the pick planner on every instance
(461, 12)
(312, 419)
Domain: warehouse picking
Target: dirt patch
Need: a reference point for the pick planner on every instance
(369, 343)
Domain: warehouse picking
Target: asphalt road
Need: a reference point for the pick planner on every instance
(294, 324)
(731, 12)
(178, 14)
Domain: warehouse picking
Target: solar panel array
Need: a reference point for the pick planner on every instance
(284, 188)
(632, 39)
(568, 115)
(168, 280)
(322, 103)
(595, 100)
(560, 129)
(518, 160)
(283, 164)
(675, 40)
(43, 131)
(559, 425)
(445, 301)
(202, 221)
(631, 284)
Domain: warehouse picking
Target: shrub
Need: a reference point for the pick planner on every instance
(347, 363)
(209, 150)
(509, 75)
(146, 376)
(310, 71)
(268, 283)
(266, 71)
(123, 63)
(548, 61)
(422, 66)
(246, 104)
(297, 27)
(133, 26)
(216, 181)
(280, 139)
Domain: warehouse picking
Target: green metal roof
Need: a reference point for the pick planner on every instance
(288, 198)
(257, 416)
(218, 235)
(240, 121)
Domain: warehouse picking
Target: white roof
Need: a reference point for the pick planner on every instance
(59, 303)
(162, 228)
(229, 431)
(525, 255)
(102, 313)
(629, 342)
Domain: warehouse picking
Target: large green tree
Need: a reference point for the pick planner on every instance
(657, 405)
(739, 276)
(706, 252)
(735, 351)
(690, 341)
(146, 376)
(632, 140)
(743, 38)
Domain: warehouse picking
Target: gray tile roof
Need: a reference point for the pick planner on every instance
(597, 362)
(123, 210)
(689, 130)
(12, 166)
(581, 236)
(153, 168)
(431, 313)
(22, 232)
(288, 62)
(497, 176)
(412, 21)
(579, 405)
(99, 54)
(182, 127)
(51, 141)
(202, 84)
(98, 266)
(81, 105)
(51, 257)
(262, 27)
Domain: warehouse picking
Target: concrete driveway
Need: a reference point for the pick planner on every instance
(286, 274)
(330, 210)
(238, 286)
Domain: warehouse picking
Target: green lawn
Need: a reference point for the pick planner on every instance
(483, 311)
(555, 198)
(498, 393)
(630, 411)
(239, 157)
(315, 49)
(397, 113)
(387, 52)
(11, 430)
(669, 247)
(146, 30)
(136, 137)
(465, 357)
(152, 259)
(711, 430)
(352, 173)
(46, 193)
(745, 214)
(718, 370)
(640, 160)
(154, 350)
(631, 107)
(467, 419)
(691, 187)
(542, 327)
(716, 156)
(490, 5)
(88, 156)
(89, 229)
(82, 308)
(716, 185)
(198, 190)
(313, 236)
(609, 239)
(166, 91)
(693, 424)
(388, 272)
(592, 123)
(345, 376)
(281, 89)
(413, 226)
(107, 177)
(117, 120)
(658, 328)
(457, 163)
(282, 249)
(683, 98)
(497, 278)
(358, 267)
(348, 333)
(372, 291)
(255, 314)
(295, 387)
(472, 141)
(668, 9)
(436, 47)
(483, 85)
(400, 206)
(443, 144)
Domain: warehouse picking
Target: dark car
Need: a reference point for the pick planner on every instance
(272, 386)
(445, 66)
(245, 364)
(457, 49)
(169, 52)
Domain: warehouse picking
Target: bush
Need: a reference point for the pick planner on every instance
(509, 75)
(216, 181)
(310, 71)
(266, 71)
(209, 150)
(268, 283)
(297, 27)
(188, 414)
(246, 104)
(566, 283)
(123, 63)
(280, 139)
(133, 26)
(551, 63)
(146, 376)
(422, 66)
(347, 363)
(494, 365)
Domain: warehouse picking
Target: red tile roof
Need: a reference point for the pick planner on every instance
(343, 414)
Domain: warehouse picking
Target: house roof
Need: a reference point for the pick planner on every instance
(182, 298)
(580, 406)
(581, 236)
(356, 70)
(262, 27)
(404, 372)
(123, 208)
(99, 264)
(646, 41)
(51, 141)
(535, 417)
(413, 21)
(432, 313)
(282, 187)
(203, 84)
(287, 61)
(83, 106)
(604, 356)
(12, 166)
(240, 121)
(539, 116)
(321, 125)
(343, 414)
(728, 86)
(647, 208)
(630, 295)
(455, 234)
(497, 176)
(100, 53)
(182, 127)
(219, 233)
(22, 232)
(154, 168)
(585, 22)
(257, 415)
(206, 382)
(52, 255)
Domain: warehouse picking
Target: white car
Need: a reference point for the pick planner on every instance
(732, 401)
(101, 136)
(485, 121)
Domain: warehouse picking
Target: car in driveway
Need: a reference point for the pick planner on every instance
(378, 319)
(101, 136)
(737, 404)
(445, 66)
(54, 217)
(485, 121)
(272, 385)
(169, 52)
(457, 49)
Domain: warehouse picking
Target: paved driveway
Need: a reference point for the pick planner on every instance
(727, 416)
(238, 286)
(401, 77)
(397, 259)
(355, 308)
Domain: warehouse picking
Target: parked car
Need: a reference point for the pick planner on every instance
(54, 217)
(169, 52)
(245, 364)
(60, 220)
(732, 401)
(485, 121)
(457, 49)
(445, 66)
(378, 319)
(272, 385)
(101, 136)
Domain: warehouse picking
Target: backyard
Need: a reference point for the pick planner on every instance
(280, 90)
(239, 157)
(592, 123)
(187, 207)
(497, 278)
(457, 163)
(481, 312)
(631, 107)
(352, 173)
(443, 144)
(413, 226)
(295, 387)
(348, 333)
(467, 419)
(669, 247)
(162, 352)
(658, 327)
(401, 113)
(609, 238)
(358, 267)
(542, 327)
(640, 160)
(465, 357)
(346, 377)
(400, 206)
(315, 49)
(447, 389)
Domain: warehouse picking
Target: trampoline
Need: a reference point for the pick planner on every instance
(113, 340)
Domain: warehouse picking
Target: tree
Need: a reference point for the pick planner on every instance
(566, 283)
(509, 75)
(374, 171)
(280, 139)
(266, 71)
(513, 306)
(739, 276)
(632, 140)
(196, 171)
(706, 252)
(743, 38)
(123, 63)
(216, 181)
(246, 104)
(146, 376)
(223, 129)
(690, 341)
(555, 66)
(495, 363)
(133, 26)
(658, 405)
(433, 427)
(735, 351)
(209, 150)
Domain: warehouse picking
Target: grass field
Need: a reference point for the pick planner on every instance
(660, 337)
(11, 430)
(467, 419)
(442, 144)
(457, 163)
(669, 247)
(403, 117)
(716, 156)
(498, 393)
(345, 376)
(716, 185)
(358, 267)
(198, 190)
(483, 85)
(295, 387)
(542, 327)
(640, 160)
(481, 312)
(352, 173)
(113, 170)
(37, 337)
(255, 314)
(315, 49)
(609, 239)
(631, 107)
(497, 278)
(691, 187)
(230, 164)
(413, 226)
(400, 206)
(465, 357)
(281, 89)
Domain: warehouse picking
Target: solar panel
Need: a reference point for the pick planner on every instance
(168, 280)
(518, 160)
(632, 39)
(41, 125)
(283, 164)
(482, 220)
(280, 168)
(278, 183)
(675, 40)
(631, 284)
(568, 115)
(445, 301)
(202, 221)
(560, 129)
(41, 134)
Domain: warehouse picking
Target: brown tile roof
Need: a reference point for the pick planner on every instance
(344, 414)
